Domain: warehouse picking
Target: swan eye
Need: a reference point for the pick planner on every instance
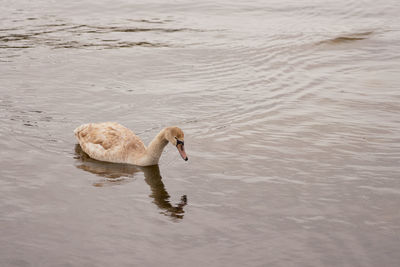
(179, 142)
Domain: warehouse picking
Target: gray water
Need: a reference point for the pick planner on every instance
(291, 117)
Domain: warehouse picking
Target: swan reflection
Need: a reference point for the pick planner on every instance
(114, 173)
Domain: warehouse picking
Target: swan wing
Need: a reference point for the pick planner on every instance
(108, 141)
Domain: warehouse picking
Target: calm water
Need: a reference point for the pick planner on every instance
(291, 115)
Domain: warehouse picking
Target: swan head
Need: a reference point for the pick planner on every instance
(175, 136)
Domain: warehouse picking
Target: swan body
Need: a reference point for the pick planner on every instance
(112, 142)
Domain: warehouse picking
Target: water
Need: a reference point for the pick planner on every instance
(291, 118)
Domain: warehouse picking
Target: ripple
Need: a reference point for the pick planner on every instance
(347, 38)
(83, 36)
(382, 190)
(108, 45)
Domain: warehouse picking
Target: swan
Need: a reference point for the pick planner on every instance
(112, 142)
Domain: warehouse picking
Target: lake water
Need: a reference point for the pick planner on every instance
(291, 114)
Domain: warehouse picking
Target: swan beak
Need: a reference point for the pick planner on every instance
(181, 150)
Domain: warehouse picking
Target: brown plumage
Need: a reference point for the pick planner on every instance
(110, 141)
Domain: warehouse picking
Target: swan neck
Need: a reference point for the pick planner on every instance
(156, 147)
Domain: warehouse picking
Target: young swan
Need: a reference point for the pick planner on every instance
(110, 141)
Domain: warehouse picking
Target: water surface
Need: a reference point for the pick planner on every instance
(291, 118)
